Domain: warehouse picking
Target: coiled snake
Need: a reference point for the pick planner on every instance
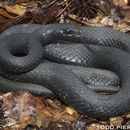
(22, 59)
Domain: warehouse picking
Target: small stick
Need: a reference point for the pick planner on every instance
(64, 9)
(10, 124)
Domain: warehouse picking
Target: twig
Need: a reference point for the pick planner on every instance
(51, 103)
(64, 9)
(10, 124)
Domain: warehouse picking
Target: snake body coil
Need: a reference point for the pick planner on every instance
(106, 49)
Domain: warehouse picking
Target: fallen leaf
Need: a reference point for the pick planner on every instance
(122, 26)
(16, 9)
(69, 110)
(25, 109)
(107, 21)
(21, 106)
(116, 121)
(128, 116)
(121, 3)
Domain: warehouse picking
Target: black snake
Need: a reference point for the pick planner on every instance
(22, 59)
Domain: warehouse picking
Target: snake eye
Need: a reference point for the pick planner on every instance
(68, 31)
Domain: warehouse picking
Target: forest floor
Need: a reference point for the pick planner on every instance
(22, 110)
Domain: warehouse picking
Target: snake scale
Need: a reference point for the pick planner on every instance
(69, 61)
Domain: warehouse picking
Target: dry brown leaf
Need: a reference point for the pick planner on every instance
(16, 9)
(116, 121)
(28, 11)
(4, 13)
(122, 26)
(43, 15)
(69, 110)
(21, 106)
(127, 16)
(121, 3)
(2, 21)
(128, 116)
(107, 21)
(23, 109)
(25, 1)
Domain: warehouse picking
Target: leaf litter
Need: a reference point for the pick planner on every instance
(22, 110)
